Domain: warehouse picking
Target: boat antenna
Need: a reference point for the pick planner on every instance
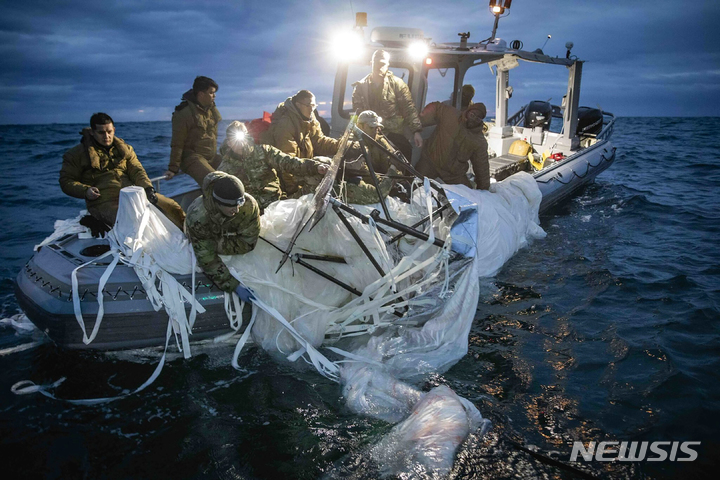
(546, 40)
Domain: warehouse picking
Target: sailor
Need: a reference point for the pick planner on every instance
(371, 123)
(102, 164)
(296, 130)
(457, 140)
(388, 96)
(260, 167)
(193, 147)
(225, 220)
(468, 92)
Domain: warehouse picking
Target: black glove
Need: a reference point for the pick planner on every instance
(151, 195)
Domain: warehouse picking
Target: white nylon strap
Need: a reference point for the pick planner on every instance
(25, 387)
(101, 287)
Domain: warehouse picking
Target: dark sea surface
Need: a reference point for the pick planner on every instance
(606, 330)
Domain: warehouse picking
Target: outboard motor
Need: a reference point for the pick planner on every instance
(538, 114)
(590, 121)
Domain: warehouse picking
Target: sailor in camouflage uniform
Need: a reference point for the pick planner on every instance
(260, 168)
(223, 221)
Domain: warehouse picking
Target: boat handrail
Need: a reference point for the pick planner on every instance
(517, 117)
(157, 179)
(607, 130)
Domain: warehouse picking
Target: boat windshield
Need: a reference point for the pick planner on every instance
(440, 84)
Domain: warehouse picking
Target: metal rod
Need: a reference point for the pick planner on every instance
(355, 213)
(328, 277)
(417, 224)
(405, 229)
(396, 157)
(359, 241)
(373, 177)
(323, 258)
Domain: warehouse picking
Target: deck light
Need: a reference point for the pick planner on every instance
(498, 7)
(418, 49)
(348, 46)
(428, 61)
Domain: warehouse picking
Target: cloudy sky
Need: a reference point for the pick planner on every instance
(64, 60)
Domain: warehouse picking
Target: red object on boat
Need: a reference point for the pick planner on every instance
(557, 156)
(259, 125)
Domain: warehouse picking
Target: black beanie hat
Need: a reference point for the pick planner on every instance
(229, 191)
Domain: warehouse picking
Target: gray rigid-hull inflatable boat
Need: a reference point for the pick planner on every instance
(575, 149)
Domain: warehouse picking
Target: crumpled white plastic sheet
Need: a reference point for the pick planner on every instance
(380, 363)
(424, 444)
(384, 357)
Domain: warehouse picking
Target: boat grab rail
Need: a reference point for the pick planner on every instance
(608, 127)
(156, 182)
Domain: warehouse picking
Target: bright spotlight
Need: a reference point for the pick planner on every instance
(347, 46)
(418, 50)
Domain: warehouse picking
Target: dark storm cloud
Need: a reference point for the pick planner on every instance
(64, 60)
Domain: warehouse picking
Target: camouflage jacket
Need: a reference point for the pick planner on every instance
(194, 131)
(260, 167)
(292, 134)
(451, 146)
(394, 104)
(212, 233)
(108, 169)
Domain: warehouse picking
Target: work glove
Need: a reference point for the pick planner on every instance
(151, 195)
(245, 294)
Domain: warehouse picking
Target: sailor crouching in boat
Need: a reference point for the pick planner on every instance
(102, 164)
(260, 167)
(457, 140)
(193, 147)
(223, 221)
(371, 123)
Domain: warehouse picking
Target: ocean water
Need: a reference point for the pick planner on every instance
(606, 330)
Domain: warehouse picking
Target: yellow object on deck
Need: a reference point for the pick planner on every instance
(537, 164)
(520, 147)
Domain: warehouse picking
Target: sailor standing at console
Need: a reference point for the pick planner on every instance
(389, 97)
(193, 147)
(223, 221)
